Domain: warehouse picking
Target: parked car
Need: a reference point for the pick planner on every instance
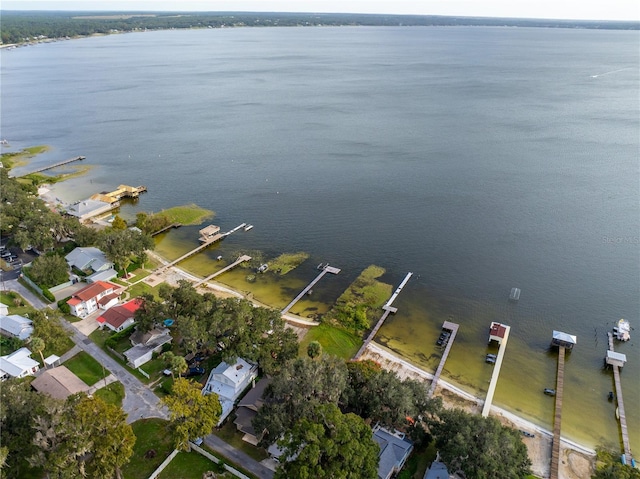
(193, 372)
(549, 391)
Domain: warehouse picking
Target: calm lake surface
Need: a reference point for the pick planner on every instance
(478, 158)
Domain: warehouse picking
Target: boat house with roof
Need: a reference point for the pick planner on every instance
(567, 341)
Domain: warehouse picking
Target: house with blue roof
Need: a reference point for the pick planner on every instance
(395, 449)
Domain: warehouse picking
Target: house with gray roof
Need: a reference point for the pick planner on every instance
(145, 344)
(87, 209)
(16, 326)
(438, 470)
(395, 449)
(18, 364)
(88, 259)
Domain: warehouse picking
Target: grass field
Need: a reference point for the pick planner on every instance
(334, 340)
(188, 214)
(287, 262)
(22, 157)
(10, 299)
(113, 394)
(151, 434)
(86, 368)
(190, 465)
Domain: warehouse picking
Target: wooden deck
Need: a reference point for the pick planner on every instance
(166, 228)
(557, 420)
(453, 327)
(325, 270)
(55, 165)
(241, 259)
(388, 309)
(620, 401)
(486, 408)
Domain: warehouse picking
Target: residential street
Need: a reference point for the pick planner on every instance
(238, 457)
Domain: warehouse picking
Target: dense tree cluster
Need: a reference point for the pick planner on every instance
(24, 26)
(203, 321)
(608, 466)
(49, 270)
(79, 437)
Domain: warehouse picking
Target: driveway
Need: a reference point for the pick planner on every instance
(14, 285)
(89, 324)
(69, 291)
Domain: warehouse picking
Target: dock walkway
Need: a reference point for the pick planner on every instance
(55, 165)
(326, 269)
(557, 420)
(453, 327)
(241, 259)
(388, 309)
(486, 408)
(172, 225)
(623, 417)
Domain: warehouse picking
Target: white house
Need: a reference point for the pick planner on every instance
(98, 295)
(228, 382)
(144, 345)
(394, 451)
(91, 260)
(16, 326)
(18, 364)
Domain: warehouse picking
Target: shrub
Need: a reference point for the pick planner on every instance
(47, 294)
(63, 306)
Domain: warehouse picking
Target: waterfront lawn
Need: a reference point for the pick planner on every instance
(113, 394)
(230, 434)
(190, 465)
(86, 368)
(139, 288)
(333, 339)
(187, 214)
(16, 303)
(150, 434)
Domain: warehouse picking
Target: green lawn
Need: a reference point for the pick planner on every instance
(151, 434)
(86, 368)
(142, 287)
(334, 340)
(190, 465)
(229, 434)
(113, 394)
(10, 299)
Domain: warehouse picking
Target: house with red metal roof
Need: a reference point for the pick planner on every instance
(98, 295)
(121, 316)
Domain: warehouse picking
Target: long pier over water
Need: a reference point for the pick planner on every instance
(326, 269)
(449, 326)
(486, 408)
(388, 309)
(623, 418)
(55, 165)
(241, 259)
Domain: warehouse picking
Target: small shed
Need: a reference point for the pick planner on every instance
(565, 340)
(497, 332)
(208, 232)
(615, 359)
(51, 360)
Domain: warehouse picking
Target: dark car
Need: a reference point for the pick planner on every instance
(549, 391)
(193, 372)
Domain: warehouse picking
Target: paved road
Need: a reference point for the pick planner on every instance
(238, 457)
(139, 401)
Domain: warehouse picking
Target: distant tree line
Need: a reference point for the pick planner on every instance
(23, 26)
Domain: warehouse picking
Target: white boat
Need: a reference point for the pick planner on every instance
(515, 294)
(248, 227)
(263, 267)
(622, 331)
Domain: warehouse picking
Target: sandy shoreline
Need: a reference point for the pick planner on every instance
(577, 460)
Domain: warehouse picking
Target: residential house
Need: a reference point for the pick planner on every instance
(18, 364)
(228, 381)
(59, 383)
(247, 409)
(121, 316)
(16, 326)
(438, 470)
(394, 451)
(92, 260)
(145, 344)
(98, 295)
(87, 209)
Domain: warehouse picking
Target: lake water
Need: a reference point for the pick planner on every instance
(478, 158)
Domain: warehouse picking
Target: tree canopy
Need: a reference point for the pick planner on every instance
(329, 444)
(480, 447)
(608, 466)
(192, 414)
(49, 270)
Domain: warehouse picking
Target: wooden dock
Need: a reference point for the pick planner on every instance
(449, 326)
(623, 418)
(486, 408)
(166, 228)
(557, 420)
(326, 269)
(388, 309)
(241, 259)
(55, 165)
